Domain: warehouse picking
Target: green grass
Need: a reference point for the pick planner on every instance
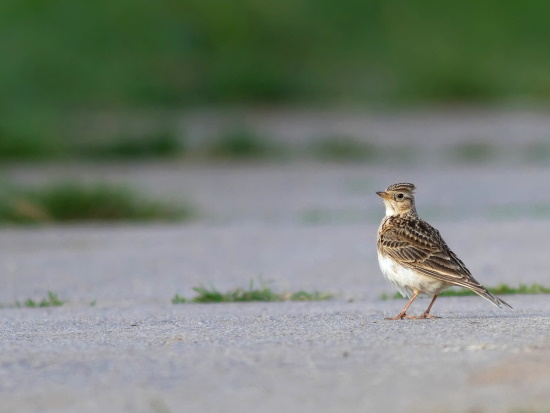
(342, 149)
(52, 300)
(160, 145)
(148, 53)
(537, 210)
(262, 293)
(241, 144)
(79, 202)
(537, 152)
(308, 296)
(151, 55)
(501, 289)
(178, 299)
(29, 148)
(472, 152)
(324, 216)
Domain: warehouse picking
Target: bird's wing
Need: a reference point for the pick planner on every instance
(419, 246)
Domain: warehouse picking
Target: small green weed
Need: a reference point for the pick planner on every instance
(263, 293)
(26, 148)
(178, 299)
(307, 296)
(501, 289)
(521, 289)
(212, 295)
(161, 145)
(242, 144)
(316, 217)
(471, 152)
(343, 149)
(537, 152)
(515, 211)
(77, 202)
(319, 216)
(51, 301)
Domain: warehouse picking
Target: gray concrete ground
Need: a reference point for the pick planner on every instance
(303, 226)
(313, 357)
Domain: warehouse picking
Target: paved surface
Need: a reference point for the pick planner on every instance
(312, 357)
(303, 226)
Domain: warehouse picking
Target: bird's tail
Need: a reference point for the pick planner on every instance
(483, 292)
(480, 290)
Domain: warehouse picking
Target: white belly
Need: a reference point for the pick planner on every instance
(407, 281)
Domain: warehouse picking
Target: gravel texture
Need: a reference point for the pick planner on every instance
(329, 356)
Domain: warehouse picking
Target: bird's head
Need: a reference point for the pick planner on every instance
(398, 199)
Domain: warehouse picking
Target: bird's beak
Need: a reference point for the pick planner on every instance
(384, 195)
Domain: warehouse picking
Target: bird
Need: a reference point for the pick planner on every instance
(414, 257)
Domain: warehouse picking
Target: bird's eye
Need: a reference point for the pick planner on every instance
(399, 196)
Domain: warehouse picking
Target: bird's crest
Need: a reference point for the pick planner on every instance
(402, 186)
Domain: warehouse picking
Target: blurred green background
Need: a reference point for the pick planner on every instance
(62, 59)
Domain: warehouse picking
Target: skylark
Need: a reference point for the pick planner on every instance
(413, 256)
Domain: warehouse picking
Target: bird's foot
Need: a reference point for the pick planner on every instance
(425, 316)
(400, 316)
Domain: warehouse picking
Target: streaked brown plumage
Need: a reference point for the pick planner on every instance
(413, 255)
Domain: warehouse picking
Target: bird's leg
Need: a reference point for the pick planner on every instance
(403, 313)
(427, 312)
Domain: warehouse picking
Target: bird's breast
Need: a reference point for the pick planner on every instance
(406, 280)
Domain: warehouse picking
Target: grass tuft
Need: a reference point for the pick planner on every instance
(178, 299)
(75, 202)
(29, 148)
(242, 144)
(51, 301)
(161, 145)
(473, 151)
(537, 152)
(310, 296)
(212, 295)
(343, 149)
(364, 52)
(501, 289)
(263, 293)
(319, 216)
(536, 210)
